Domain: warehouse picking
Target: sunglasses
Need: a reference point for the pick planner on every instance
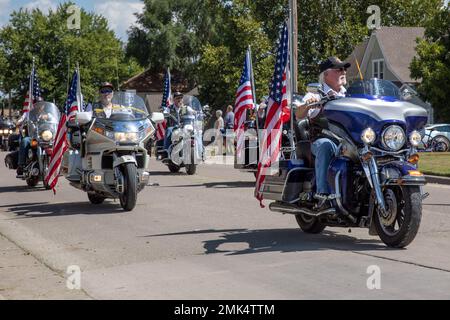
(106, 91)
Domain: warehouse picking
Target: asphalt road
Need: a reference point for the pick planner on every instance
(205, 237)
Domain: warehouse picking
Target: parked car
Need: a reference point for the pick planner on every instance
(436, 137)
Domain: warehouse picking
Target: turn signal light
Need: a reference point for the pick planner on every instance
(99, 130)
(34, 143)
(414, 159)
(415, 173)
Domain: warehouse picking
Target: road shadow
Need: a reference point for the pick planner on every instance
(168, 173)
(436, 204)
(281, 240)
(24, 189)
(219, 185)
(63, 209)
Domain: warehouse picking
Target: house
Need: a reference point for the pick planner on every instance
(150, 85)
(387, 54)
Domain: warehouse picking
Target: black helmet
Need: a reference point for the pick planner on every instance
(106, 85)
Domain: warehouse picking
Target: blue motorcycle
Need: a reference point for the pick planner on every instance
(373, 176)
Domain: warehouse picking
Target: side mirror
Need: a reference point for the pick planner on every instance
(314, 88)
(84, 117)
(157, 117)
(407, 95)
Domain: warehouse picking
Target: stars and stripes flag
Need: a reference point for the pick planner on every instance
(277, 113)
(244, 100)
(165, 103)
(60, 145)
(36, 94)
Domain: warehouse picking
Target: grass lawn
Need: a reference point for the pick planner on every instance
(435, 163)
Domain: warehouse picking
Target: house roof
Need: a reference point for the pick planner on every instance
(398, 45)
(150, 81)
(399, 48)
(357, 53)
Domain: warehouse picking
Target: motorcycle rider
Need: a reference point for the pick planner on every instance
(25, 142)
(104, 107)
(333, 79)
(177, 110)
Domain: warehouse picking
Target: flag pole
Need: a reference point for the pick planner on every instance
(79, 95)
(292, 75)
(256, 108)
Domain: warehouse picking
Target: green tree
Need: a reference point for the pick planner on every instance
(171, 33)
(432, 66)
(46, 38)
(221, 65)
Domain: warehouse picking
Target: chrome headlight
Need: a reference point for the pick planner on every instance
(126, 137)
(393, 138)
(47, 135)
(368, 136)
(10, 131)
(188, 128)
(1, 131)
(415, 138)
(176, 135)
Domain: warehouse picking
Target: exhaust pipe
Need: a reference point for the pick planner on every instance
(284, 208)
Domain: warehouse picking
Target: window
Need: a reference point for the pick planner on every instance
(378, 69)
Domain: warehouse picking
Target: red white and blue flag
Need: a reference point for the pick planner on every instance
(277, 113)
(61, 145)
(244, 100)
(36, 93)
(165, 103)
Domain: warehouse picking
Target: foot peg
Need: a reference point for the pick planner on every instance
(425, 195)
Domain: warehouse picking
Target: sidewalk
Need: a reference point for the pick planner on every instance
(22, 277)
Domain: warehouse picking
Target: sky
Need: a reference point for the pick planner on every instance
(120, 13)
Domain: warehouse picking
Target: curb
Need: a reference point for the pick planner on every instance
(437, 179)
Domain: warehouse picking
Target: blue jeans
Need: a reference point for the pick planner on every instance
(324, 149)
(167, 138)
(23, 150)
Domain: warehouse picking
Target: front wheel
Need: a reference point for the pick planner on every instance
(309, 224)
(192, 167)
(440, 144)
(95, 198)
(33, 181)
(45, 169)
(129, 196)
(398, 226)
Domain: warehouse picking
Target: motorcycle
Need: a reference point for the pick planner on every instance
(186, 149)
(41, 126)
(7, 128)
(108, 158)
(373, 176)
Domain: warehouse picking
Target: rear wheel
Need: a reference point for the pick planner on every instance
(173, 168)
(309, 224)
(441, 144)
(398, 226)
(95, 198)
(33, 181)
(129, 196)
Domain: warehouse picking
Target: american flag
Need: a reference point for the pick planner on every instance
(60, 146)
(277, 113)
(165, 103)
(35, 89)
(244, 101)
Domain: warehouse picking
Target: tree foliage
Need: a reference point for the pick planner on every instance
(432, 65)
(56, 49)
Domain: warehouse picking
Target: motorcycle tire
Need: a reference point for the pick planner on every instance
(95, 198)
(32, 182)
(309, 224)
(128, 198)
(409, 207)
(441, 144)
(173, 168)
(191, 168)
(45, 164)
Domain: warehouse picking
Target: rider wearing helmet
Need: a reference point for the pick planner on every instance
(104, 107)
(176, 110)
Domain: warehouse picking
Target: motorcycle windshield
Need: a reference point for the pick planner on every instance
(197, 118)
(128, 106)
(374, 89)
(43, 117)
